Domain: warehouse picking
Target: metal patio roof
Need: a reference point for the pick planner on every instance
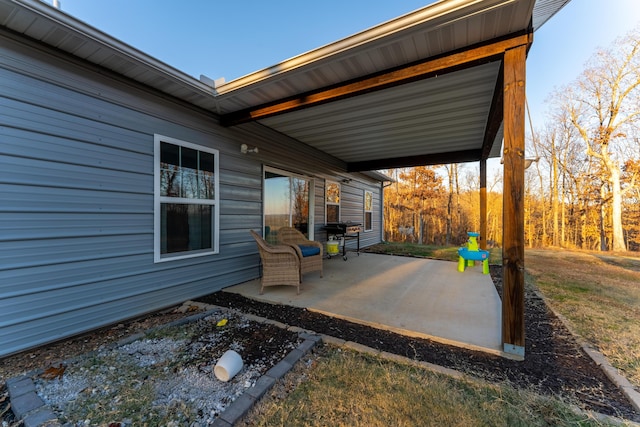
(399, 94)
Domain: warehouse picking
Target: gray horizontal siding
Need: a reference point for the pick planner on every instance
(76, 197)
(51, 196)
(29, 253)
(76, 203)
(44, 173)
(352, 209)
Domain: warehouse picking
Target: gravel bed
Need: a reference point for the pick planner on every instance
(165, 378)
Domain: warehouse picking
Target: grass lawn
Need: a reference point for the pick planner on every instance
(345, 388)
(598, 293)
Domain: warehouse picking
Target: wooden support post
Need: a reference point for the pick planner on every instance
(483, 204)
(513, 333)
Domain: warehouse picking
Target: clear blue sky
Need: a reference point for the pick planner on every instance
(233, 38)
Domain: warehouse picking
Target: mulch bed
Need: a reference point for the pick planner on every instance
(555, 364)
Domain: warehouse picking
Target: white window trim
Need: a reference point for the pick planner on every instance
(312, 197)
(327, 203)
(364, 208)
(157, 200)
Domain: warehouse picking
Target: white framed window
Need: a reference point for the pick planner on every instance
(368, 211)
(186, 208)
(332, 202)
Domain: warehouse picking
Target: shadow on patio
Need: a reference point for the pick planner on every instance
(412, 296)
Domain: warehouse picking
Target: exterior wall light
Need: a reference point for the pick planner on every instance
(244, 149)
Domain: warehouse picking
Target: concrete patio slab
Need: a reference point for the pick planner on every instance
(413, 296)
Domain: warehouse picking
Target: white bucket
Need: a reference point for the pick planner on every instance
(228, 365)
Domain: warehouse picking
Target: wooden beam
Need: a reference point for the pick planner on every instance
(513, 332)
(483, 204)
(417, 71)
(496, 115)
(421, 160)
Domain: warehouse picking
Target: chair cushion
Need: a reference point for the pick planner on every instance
(309, 250)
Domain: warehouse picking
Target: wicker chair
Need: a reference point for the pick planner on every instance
(280, 264)
(311, 259)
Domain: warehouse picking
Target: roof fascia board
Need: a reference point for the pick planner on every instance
(420, 160)
(454, 9)
(443, 64)
(85, 31)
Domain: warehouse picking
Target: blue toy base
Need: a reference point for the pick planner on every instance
(468, 257)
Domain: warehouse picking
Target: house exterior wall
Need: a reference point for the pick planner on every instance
(77, 197)
(352, 208)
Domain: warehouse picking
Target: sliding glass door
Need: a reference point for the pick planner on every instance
(287, 203)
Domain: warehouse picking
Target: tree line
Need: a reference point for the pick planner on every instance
(438, 205)
(583, 189)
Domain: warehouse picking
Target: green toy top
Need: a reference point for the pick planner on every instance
(472, 243)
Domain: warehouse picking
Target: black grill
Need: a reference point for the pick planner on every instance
(347, 231)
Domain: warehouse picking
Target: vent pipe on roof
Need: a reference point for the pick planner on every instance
(210, 82)
(56, 4)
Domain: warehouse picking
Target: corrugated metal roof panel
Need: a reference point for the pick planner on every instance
(423, 117)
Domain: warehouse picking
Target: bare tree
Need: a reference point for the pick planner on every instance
(452, 175)
(561, 149)
(603, 105)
